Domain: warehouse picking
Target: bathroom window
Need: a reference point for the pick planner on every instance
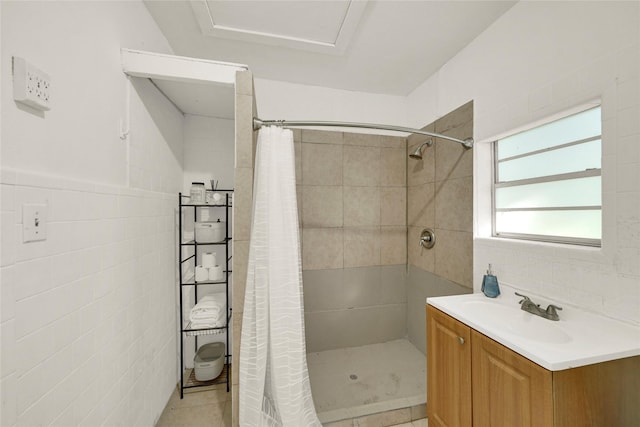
(547, 183)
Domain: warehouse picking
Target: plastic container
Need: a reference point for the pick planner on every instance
(197, 193)
(209, 231)
(209, 361)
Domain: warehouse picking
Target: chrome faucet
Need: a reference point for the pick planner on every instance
(529, 306)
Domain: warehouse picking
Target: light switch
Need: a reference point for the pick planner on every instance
(34, 222)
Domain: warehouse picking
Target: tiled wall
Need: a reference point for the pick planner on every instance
(88, 315)
(245, 141)
(421, 285)
(440, 197)
(518, 75)
(352, 198)
(87, 322)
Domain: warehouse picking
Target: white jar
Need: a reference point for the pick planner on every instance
(210, 232)
(197, 193)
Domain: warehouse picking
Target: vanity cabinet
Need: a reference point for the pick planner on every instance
(508, 389)
(473, 380)
(448, 371)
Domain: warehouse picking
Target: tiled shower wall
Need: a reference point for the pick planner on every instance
(245, 142)
(352, 200)
(440, 196)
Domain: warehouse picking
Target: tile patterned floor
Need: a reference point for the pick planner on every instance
(385, 380)
(212, 408)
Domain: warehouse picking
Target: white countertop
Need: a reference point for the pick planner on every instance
(579, 338)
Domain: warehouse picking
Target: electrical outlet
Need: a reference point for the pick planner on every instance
(34, 222)
(31, 86)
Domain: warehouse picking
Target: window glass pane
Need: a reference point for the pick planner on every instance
(569, 192)
(564, 160)
(574, 224)
(573, 128)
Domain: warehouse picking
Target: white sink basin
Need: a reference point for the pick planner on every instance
(513, 320)
(579, 338)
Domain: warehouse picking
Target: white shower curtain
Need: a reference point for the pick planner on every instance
(274, 381)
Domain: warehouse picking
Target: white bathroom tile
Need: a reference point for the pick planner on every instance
(68, 205)
(66, 329)
(7, 297)
(30, 250)
(37, 276)
(7, 350)
(83, 348)
(37, 414)
(628, 261)
(49, 306)
(609, 132)
(7, 197)
(8, 408)
(628, 206)
(627, 177)
(7, 176)
(29, 389)
(628, 123)
(628, 62)
(30, 195)
(628, 93)
(628, 150)
(9, 238)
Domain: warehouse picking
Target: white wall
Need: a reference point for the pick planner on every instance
(87, 318)
(277, 100)
(539, 59)
(209, 151)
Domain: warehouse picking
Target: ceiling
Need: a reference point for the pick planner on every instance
(387, 47)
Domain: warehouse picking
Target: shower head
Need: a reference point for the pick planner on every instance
(417, 153)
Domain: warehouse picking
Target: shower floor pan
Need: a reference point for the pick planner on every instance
(355, 381)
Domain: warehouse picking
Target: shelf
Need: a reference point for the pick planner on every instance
(223, 281)
(188, 334)
(188, 205)
(194, 243)
(192, 382)
(207, 331)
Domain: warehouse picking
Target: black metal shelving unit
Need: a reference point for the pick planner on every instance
(187, 376)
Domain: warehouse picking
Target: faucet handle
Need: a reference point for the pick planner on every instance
(551, 312)
(524, 298)
(552, 308)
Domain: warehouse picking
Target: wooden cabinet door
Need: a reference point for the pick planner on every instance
(448, 371)
(508, 389)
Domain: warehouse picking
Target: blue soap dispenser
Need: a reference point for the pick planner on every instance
(490, 284)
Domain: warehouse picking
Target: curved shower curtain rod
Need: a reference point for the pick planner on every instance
(258, 123)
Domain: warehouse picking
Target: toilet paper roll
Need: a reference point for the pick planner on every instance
(215, 273)
(209, 259)
(202, 274)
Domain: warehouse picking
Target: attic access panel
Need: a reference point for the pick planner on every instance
(316, 26)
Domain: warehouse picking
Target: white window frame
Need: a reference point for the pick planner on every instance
(550, 178)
